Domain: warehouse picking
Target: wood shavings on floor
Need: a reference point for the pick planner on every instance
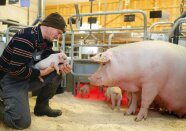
(86, 115)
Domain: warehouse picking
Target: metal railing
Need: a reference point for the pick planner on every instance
(144, 29)
(157, 24)
(175, 26)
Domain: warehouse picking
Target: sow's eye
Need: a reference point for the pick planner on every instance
(100, 55)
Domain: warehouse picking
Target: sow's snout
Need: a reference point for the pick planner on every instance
(91, 79)
(96, 81)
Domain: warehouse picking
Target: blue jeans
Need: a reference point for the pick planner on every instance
(15, 97)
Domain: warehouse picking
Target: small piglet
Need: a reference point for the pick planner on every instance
(85, 89)
(58, 58)
(115, 94)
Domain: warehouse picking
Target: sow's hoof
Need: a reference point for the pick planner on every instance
(142, 114)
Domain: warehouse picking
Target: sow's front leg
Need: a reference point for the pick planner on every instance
(132, 103)
(149, 92)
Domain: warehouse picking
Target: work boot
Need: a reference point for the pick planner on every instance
(42, 102)
(41, 110)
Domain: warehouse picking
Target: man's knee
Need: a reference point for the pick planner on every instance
(21, 122)
(52, 78)
(15, 116)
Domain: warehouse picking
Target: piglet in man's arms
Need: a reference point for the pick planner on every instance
(55, 59)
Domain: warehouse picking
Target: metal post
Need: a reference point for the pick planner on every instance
(40, 13)
(91, 15)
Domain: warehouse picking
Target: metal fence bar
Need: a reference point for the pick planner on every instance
(156, 24)
(144, 28)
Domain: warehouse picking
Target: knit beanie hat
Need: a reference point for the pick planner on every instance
(54, 20)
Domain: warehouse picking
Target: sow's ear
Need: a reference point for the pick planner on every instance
(102, 57)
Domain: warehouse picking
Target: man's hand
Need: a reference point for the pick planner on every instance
(65, 68)
(47, 71)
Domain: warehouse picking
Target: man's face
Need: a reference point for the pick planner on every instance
(54, 34)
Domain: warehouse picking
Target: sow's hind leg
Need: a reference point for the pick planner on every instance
(149, 92)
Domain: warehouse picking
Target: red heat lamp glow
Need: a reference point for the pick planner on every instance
(96, 94)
